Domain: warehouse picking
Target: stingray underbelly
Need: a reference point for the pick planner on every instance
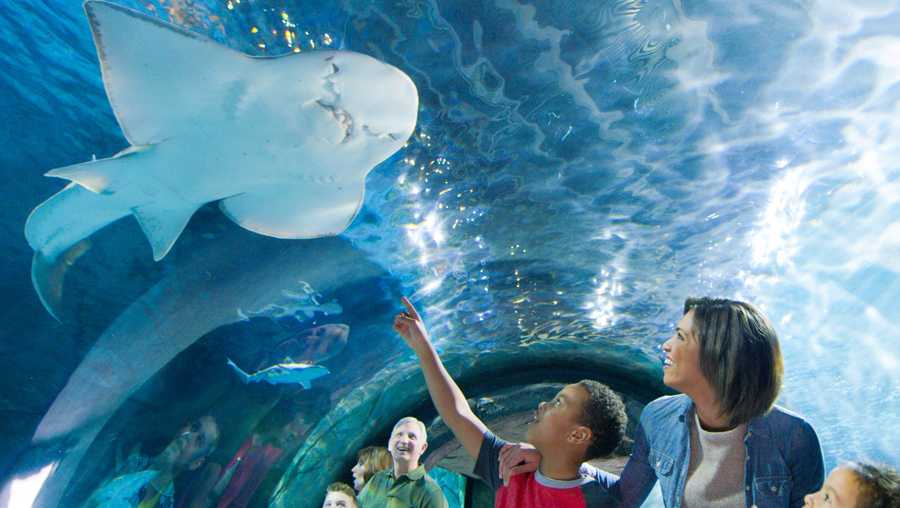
(190, 171)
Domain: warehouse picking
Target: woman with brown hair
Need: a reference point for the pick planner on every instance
(722, 442)
(370, 460)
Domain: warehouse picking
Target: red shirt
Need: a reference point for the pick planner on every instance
(256, 461)
(534, 490)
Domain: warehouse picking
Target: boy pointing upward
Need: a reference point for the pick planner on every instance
(585, 420)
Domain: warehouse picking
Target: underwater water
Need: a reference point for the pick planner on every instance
(577, 170)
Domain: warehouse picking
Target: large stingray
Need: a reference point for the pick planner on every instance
(283, 143)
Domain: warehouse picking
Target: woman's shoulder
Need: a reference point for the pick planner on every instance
(793, 435)
(669, 406)
(780, 419)
(789, 425)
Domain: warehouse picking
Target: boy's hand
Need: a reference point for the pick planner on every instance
(410, 326)
(517, 458)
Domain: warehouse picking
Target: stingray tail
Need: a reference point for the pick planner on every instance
(48, 275)
(92, 200)
(58, 225)
(240, 372)
(68, 217)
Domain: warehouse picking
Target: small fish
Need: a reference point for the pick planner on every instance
(283, 373)
(299, 312)
(316, 344)
(329, 309)
(301, 305)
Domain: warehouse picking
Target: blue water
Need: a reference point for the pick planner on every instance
(578, 169)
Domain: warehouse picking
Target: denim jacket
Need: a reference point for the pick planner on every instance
(784, 460)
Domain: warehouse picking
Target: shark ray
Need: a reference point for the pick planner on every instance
(283, 143)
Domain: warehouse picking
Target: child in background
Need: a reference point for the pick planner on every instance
(340, 495)
(858, 485)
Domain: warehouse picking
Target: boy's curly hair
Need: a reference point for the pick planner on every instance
(604, 414)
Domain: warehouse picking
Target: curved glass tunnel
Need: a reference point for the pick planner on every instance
(577, 170)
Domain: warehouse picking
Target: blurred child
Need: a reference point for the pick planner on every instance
(340, 495)
(858, 485)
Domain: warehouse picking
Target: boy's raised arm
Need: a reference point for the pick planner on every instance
(447, 397)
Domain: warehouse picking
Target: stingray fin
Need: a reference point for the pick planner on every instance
(162, 226)
(306, 384)
(68, 217)
(97, 175)
(308, 210)
(45, 284)
(93, 176)
(48, 275)
(151, 73)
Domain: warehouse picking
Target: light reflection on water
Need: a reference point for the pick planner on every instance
(797, 197)
(825, 251)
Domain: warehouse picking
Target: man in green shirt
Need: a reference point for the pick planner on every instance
(406, 485)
